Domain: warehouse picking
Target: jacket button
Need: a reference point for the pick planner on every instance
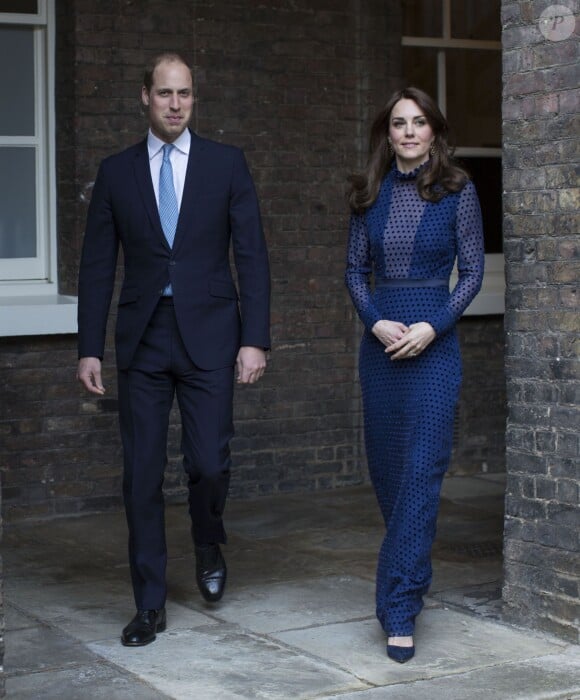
(172, 262)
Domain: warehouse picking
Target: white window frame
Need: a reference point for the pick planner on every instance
(31, 304)
(491, 299)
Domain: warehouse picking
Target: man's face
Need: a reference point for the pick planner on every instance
(170, 100)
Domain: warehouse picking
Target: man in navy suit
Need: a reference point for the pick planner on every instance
(174, 203)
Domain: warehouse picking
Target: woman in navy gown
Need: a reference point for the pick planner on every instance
(414, 212)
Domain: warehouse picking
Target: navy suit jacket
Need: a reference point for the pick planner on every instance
(219, 207)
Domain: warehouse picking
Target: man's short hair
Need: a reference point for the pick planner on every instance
(170, 57)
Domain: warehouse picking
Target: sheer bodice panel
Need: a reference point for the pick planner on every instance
(403, 237)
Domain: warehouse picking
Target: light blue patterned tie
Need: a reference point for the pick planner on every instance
(168, 209)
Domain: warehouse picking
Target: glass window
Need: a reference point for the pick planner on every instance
(486, 176)
(27, 235)
(23, 7)
(451, 49)
(474, 19)
(17, 49)
(422, 18)
(474, 104)
(17, 202)
(30, 302)
(420, 68)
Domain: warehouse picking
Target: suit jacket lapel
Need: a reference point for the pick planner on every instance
(191, 190)
(143, 176)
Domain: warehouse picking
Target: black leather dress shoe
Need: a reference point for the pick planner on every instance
(210, 571)
(143, 628)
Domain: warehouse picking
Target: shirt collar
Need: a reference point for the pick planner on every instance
(154, 144)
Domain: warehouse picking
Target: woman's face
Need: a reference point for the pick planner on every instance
(410, 135)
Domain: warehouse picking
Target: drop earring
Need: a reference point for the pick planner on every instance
(433, 149)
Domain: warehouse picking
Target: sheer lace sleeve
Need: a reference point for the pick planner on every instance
(358, 271)
(470, 260)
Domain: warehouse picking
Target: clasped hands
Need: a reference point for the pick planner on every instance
(401, 341)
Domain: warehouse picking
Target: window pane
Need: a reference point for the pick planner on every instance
(420, 69)
(474, 104)
(486, 175)
(474, 19)
(24, 7)
(17, 80)
(422, 18)
(17, 202)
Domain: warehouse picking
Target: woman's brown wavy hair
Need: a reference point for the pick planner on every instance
(439, 176)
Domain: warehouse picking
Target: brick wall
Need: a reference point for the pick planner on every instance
(288, 82)
(542, 322)
(2, 618)
(291, 84)
(295, 84)
(479, 439)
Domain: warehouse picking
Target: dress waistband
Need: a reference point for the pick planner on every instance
(388, 282)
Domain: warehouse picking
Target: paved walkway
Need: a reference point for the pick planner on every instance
(297, 621)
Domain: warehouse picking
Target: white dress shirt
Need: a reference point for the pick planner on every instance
(178, 157)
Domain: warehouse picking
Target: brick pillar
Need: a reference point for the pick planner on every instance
(542, 321)
(2, 624)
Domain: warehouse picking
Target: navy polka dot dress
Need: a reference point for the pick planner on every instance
(410, 245)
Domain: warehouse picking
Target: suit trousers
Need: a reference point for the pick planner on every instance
(161, 369)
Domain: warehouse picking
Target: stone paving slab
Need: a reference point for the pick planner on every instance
(296, 604)
(293, 513)
(93, 682)
(447, 642)
(92, 611)
(480, 572)
(226, 663)
(15, 619)
(300, 555)
(41, 648)
(99, 536)
(252, 565)
(481, 599)
(297, 621)
(467, 520)
(476, 486)
(48, 563)
(553, 677)
(342, 540)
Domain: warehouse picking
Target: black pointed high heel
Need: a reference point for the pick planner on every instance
(400, 654)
